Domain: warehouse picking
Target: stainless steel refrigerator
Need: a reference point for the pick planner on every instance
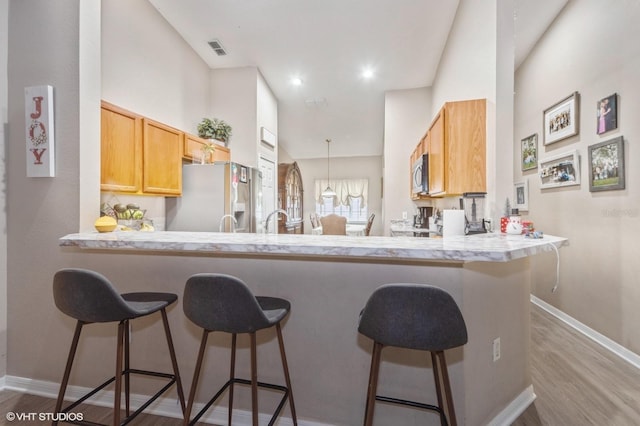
(217, 197)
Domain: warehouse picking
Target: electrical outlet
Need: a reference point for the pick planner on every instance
(496, 349)
(404, 215)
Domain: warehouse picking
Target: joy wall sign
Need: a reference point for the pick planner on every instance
(38, 101)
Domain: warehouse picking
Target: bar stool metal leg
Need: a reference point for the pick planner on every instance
(436, 379)
(67, 370)
(285, 367)
(232, 373)
(118, 376)
(254, 380)
(447, 388)
(174, 360)
(373, 384)
(127, 376)
(196, 376)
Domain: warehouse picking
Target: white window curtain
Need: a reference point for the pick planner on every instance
(346, 190)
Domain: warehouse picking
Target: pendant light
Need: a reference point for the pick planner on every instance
(328, 192)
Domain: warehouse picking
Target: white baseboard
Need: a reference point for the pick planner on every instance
(168, 407)
(515, 408)
(619, 350)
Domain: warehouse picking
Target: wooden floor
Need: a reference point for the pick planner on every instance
(577, 382)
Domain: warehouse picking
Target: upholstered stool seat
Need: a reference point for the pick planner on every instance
(412, 316)
(89, 297)
(218, 302)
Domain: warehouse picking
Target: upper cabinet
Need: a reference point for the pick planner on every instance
(162, 158)
(193, 150)
(139, 155)
(120, 150)
(456, 144)
(290, 199)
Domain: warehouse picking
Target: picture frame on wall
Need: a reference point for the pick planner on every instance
(521, 195)
(606, 165)
(560, 170)
(607, 114)
(561, 120)
(529, 152)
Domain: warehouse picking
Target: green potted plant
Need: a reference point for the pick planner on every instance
(214, 129)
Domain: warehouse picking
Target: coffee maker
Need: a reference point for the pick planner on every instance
(473, 205)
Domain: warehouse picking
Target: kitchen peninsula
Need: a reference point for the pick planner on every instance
(328, 280)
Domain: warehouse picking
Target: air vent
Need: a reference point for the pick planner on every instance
(217, 47)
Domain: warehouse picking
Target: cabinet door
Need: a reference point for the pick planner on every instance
(193, 149)
(466, 147)
(162, 168)
(222, 154)
(120, 150)
(437, 158)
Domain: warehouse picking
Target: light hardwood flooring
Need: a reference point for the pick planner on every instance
(576, 381)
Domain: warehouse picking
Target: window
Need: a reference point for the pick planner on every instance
(350, 200)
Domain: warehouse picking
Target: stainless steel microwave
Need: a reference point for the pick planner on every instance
(420, 175)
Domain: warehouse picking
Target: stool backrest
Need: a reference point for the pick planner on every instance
(414, 316)
(219, 302)
(88, 296)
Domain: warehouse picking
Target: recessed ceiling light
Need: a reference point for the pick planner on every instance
(296, 81)
(367, 73)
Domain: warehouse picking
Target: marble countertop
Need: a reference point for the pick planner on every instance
(481, 247)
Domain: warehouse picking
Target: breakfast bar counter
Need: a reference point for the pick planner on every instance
(328, 279)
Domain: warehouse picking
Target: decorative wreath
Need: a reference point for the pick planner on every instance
(42, 136)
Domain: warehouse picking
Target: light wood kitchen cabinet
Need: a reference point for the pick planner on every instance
(457, 149)
(193, 150)
(139, 155)
(120, 150)
(162, 154)
(290, 199)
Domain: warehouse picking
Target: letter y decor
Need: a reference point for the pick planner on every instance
(38, 105)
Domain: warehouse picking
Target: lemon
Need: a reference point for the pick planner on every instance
(105, 224)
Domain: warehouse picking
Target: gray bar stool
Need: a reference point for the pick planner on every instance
(218, 302)
(89, 297)
(418, 317)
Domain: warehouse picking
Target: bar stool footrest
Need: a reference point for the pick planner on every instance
(133, 415)
(413, 404)
(271, 386)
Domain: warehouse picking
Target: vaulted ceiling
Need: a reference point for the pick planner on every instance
(328, 44)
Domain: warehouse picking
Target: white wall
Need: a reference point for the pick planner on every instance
(149, 69)
(233, 99)
(592, 48)
(407, 114)
(478, 63)
(4, 32)
(343, 168)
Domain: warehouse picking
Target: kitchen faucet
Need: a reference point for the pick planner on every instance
(233, 227)
(266, 222)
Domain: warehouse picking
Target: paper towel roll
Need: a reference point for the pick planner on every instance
(452, 223)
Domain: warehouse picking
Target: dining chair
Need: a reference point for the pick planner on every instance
(367, 229)
(334, 225)
(313, 217)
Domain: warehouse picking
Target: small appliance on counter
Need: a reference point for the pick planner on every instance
(421, 221)
(473, 205)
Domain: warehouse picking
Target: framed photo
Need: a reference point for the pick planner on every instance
(560, 121)
(607, 113)
(243, 174)
(521, 195)
(560, 170)
(606, 165)
(529, 152)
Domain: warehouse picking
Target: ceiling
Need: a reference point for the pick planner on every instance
(328, 44)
